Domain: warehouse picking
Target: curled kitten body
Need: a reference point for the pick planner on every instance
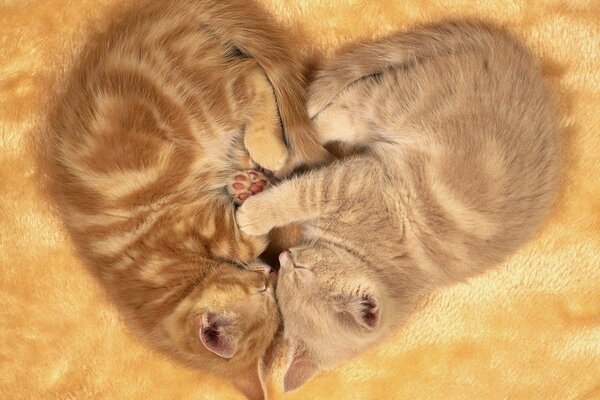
(157, 117)
(459, 168)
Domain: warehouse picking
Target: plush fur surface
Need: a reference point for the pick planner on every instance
(530, 329)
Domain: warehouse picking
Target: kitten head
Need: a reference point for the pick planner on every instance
(331, 306)
(228, 320)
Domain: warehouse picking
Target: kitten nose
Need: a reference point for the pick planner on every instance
(285, 258)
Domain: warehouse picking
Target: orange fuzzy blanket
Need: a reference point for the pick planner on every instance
(528, 330)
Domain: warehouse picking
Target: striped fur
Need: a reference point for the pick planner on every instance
(162, 108)
(459, 168)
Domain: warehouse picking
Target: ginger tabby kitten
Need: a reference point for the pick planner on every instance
(458, 169)
(153, 141)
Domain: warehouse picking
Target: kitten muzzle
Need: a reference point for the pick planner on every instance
(285, 259)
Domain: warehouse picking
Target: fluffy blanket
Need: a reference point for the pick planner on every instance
(528, 330)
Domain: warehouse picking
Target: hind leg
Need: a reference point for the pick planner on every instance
(263, 137)
(245, 184)
(345, 120)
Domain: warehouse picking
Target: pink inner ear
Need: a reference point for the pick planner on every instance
(364, 310)
(370, 318)
(214, 337)
(370, 311)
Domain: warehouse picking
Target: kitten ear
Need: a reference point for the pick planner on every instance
(215, 334)
(300, 369)
(362, 309)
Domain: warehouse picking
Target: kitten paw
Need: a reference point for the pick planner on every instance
(251, 221)
(246, 184)
(271, 156)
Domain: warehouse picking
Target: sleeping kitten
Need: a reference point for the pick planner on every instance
(459, 168)
(150, 144)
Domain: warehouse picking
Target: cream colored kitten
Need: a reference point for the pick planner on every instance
(459, 168)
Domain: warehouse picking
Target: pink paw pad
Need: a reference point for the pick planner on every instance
(245, 184)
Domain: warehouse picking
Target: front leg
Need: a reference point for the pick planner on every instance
(263, 138)
(275, 207)
(303, 198)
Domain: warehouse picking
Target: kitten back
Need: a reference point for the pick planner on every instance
(360, 60)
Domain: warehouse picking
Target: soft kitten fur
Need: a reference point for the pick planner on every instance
(459, 168)
(154, 122)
